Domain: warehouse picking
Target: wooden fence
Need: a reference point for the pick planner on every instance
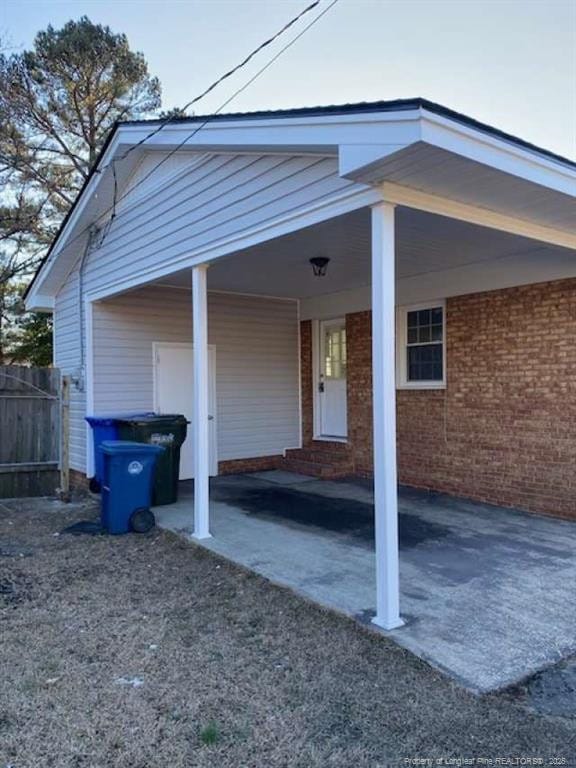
(30, 409)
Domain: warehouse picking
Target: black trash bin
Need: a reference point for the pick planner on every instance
(168, 431)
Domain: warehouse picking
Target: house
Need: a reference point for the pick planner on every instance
(436, 347)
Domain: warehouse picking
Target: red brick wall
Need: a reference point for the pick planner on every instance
(257, 464)
(359, 389)
(306, 382)
(504, 429)
(78, 481)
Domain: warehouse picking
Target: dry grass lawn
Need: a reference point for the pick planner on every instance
(146, 651)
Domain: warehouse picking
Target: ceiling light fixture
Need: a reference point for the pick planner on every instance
(320, 265)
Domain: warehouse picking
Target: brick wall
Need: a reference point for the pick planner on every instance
(504, 429)
(359, 390)
(306, 388)
(78, 481)
(257, 464)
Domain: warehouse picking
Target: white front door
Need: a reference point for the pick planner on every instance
(174, 393)
(332, 379)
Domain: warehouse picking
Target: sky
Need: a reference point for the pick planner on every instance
(509, 63)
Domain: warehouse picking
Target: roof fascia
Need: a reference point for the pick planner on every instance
(497, 152)
(317, 134)
(309, 134)
(358, 134)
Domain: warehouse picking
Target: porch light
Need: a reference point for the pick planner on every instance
(320, 265)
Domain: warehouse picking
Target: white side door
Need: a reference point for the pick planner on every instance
(332, 379)
(174, 393)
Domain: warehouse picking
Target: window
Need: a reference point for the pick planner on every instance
(421, 358)
(335, 353)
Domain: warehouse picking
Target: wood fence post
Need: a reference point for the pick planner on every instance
(65, 438)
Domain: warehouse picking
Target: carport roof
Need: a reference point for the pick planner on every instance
(352, 136)
(367, 107)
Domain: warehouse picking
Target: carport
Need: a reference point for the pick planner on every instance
(451, 262)
(486, 592)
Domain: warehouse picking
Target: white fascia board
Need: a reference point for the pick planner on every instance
(497, 153)
(359, 156)
(359, 160)
(442, 206)
(323, 134)
(40, 304)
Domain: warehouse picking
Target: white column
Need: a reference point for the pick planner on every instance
(384, 417)
(200, 405)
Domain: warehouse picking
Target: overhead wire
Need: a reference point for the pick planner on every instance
(217, 82)
(205, 121)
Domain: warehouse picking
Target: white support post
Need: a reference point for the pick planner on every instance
(200, 405)
(384, 417)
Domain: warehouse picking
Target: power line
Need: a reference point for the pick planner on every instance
(112, 209)
(208, 119)
(221, 79)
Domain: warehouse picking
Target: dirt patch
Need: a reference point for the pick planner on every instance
(148, 652)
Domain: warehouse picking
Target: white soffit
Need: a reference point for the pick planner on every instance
(429, 248)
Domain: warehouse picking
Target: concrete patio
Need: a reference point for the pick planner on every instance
(487, 593)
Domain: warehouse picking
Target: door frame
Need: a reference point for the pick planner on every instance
(213, 389)
(316, 363)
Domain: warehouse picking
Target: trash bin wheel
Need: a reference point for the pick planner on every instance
(142, 520)
(94, 485)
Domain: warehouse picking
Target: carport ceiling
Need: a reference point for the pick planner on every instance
(426, 243)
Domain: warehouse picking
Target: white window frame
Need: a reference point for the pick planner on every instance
(402, 381)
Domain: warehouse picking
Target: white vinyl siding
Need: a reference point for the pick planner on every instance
(198, 203)
(256, 344)
(211, 201)
(67, 357)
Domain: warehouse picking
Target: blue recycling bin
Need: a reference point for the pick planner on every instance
(106, 428)
(127, 480)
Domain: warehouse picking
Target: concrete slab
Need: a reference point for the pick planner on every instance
(486, 593)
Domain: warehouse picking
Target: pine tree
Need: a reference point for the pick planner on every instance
(58, 102)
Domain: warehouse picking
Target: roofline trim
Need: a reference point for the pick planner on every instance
(418, 105)
(364, 108)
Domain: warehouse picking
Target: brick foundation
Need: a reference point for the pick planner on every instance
(258, 464)
(504, 429)
(78, 481)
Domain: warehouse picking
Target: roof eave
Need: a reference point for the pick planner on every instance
(416, 120)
